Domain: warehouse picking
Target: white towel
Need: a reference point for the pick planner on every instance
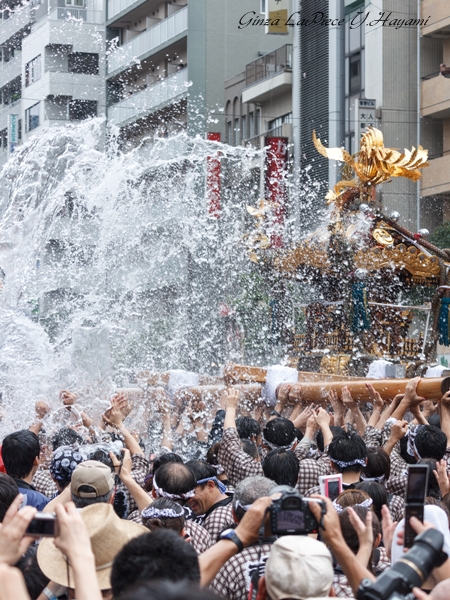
(179, 378)
(377, 369)
(435, 371)
(275, 375)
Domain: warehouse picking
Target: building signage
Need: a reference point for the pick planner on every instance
(277, 15)
(13, 132)
(213, 178)
(276, 159)
(365, 116)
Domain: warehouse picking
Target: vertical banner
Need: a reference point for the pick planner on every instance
(276, 159)
(213, 178)
(13, 132)
(277, 14)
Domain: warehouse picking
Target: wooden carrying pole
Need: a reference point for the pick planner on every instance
(430, 389)
(239, 373)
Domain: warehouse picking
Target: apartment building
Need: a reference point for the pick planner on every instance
(435, 109)
(52, 67)
(158, 49)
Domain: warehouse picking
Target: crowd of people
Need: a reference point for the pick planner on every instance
(87, 511)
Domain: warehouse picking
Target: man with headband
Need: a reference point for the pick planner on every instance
(210, 504)
(348, 455)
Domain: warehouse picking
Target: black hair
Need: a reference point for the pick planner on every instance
(175, 478)
(19, 451)
(250, 448)
(377, 492)
(298, 434)
(161, 554)
(279, 432)
(155, 590)
(281, 466)
(35, 580)
(174, 523)
(247, 428)
(378, 463)
(435, 420)
(335, 430)
(163, 459)
(8, 492)
(66, 437)
(201, 470)
(433, 489)
(212, 455)
(430, 442)
(348, 448)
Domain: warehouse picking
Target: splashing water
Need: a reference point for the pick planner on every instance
(112, 263)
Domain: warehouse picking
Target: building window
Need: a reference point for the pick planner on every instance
(83, 62)
(75, 3)
(3, 139)
(19, 129)
(355, 73)
(33, 71)
(237, 130)
(251, 124)
(262, 7)
(32, 117)
(82, 109)
(278, 122)
(258, 121)
(244, 127)
(229, 132)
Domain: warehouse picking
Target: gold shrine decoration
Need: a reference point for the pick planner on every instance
(400, 257)
(410, 258)
(374, 163)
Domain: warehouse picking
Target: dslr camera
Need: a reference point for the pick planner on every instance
(290, 514)
(408, 572)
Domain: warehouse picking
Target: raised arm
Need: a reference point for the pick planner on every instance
(351, 404)
(231, 404)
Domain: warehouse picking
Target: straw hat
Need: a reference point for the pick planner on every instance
(108, 534)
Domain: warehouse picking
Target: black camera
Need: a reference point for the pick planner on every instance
(409, 571)
(290, 514)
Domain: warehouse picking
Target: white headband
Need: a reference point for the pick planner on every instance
(366, 504)
(163, 494)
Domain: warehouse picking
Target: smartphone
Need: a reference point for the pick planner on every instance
(43, 525)
(416, 492)
(331, 485)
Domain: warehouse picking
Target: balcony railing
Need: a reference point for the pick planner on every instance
(17, 21)
(147, 40)
(11, 69)
(71, 14)
(145, 101)
(268, 65)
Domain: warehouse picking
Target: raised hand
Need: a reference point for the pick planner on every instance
(347, 399)
(42, 409)
(399, 430)
(322, 417)
(338, 407)
(68, 398)
(13, 544)
(388, 527)
(375, 397)
(441, 475)
(231, 398)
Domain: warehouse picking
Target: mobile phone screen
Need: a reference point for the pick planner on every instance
(333, 489)
(416, 489)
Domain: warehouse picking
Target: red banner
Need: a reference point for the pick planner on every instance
(276, 159)
(213, 178)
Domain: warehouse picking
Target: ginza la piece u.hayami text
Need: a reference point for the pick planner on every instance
(319, 18)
